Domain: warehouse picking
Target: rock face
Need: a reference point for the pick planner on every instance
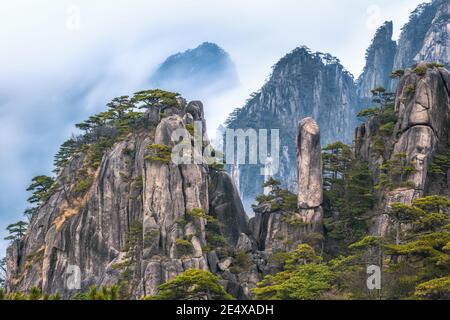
(198, 72)
(309, 155)
(379, 62)
(310, 181)
(226, 206)
(422, 108)
(426, 36)
(302, 84)
(277, 230)
(135, 218)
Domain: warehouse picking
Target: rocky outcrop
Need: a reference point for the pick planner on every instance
(226, 206)
(426, 36)
(303, 84)
(422, 109)
(379, 62)
(141, 220)
(277, 229)
(309, 168)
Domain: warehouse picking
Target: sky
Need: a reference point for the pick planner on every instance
(61, 61)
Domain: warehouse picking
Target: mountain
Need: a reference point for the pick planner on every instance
(426, 36)
(197, 72)
(417, 138)
(306, 84)
(121, 212)
(302, 84)
(379, 62)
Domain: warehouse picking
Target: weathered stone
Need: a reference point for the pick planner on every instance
(245, 244)
(225, 205)
(225, 264)
(309, 154)
(302, 84)
(130, 196)
(379, 62)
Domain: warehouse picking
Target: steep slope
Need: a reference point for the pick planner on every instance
(302, 84)
(379, 62)
(132, 216)
(197, 72)
(403, 162)
(426, 36)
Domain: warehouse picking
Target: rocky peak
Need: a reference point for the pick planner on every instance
(379, 62)
(303, 84)
(422, 109)
(426, 36)
(309, 166)
(134, 218)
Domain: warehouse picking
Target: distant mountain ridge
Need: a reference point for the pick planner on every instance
(197, 72)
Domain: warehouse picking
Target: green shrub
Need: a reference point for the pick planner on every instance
(216, 240)
(217, 166)
(368, 112)
(242, 261)
(292, 220)
(190, 129)
(397, 73)
(83, 184)
(379, 146)
(441, 163)
(420, 70)
(387, 129)
(184, 246)
(433, 65)
(102, 293)
(192, 284)
(159, 153)
(410, 88)
(198, 213)
(128, 152)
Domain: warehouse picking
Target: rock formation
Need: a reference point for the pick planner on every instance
(302, 84)
(142, 216)
(310, 181)
(277, 229)
(422, 109)
(379, 62)
(426, 36)
(314, 84)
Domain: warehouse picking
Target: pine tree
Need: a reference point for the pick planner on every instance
(192, 284)
(16, 230)
(40, 186)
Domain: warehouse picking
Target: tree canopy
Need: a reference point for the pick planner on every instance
(192, 284)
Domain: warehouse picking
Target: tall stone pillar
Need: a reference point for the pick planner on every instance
(309, 169)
